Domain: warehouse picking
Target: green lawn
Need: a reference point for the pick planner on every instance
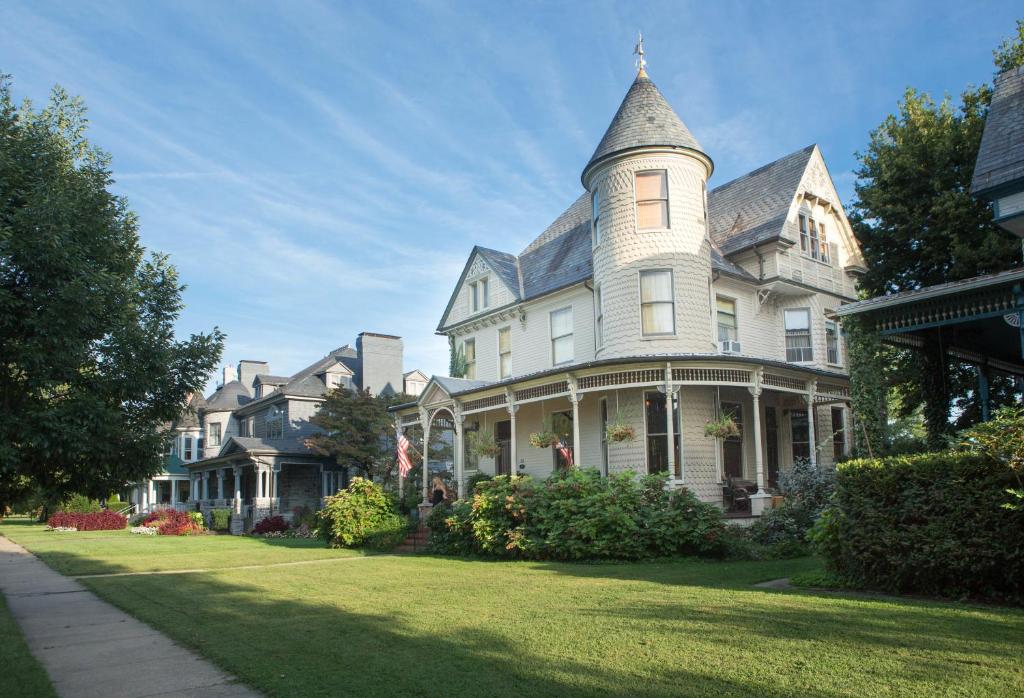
(418, 625)
(22, 675)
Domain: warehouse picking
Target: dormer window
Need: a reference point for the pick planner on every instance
(813, 242)
(480, 295)
(652, 200)
(595, 213)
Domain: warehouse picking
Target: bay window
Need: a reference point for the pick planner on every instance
(657, 305)
(651, 187)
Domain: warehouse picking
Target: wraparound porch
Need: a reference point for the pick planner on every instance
(784, 414)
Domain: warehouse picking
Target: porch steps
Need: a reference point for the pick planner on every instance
(416, 541)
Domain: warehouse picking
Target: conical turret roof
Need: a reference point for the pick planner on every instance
(644, 119)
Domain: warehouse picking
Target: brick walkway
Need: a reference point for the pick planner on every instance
(90, 648)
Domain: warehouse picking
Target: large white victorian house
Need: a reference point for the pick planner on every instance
(651, 291)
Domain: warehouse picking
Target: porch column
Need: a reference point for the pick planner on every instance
(174, 491)
(670, 432)
(277, 483)
(810, 423)
(512, 407)
(755, 394)
(425, 420)
(238, 489)
(983, 394)
(459, 453)
(574, 400)
(150, 493)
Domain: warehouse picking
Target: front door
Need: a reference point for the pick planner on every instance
(503, 437)
(732, 447)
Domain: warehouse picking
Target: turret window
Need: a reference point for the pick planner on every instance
(652, 200)
(213, 434)
(599, 317)
(595, 213)
(657, 305)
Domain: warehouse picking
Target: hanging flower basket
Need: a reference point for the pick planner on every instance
(544, 439)
(482, 444)
(722, 428)
(618, 430)
(553, 429)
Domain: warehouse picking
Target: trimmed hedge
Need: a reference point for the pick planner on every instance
(931, 523)
(91, 521)
(220, 519)
(578, 515)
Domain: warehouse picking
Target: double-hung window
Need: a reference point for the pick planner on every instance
(832, 342)
(798, 335)
(599, 317)
(188, 449)
(726, 320)
(657, 306)
(479, 294)
(213, 434)
(505, 352)
(563, 348)
(595, 213)
(822, 244)
(652, 200)
(813, 242)
(656, 414)
(469, 352)
(275, 423)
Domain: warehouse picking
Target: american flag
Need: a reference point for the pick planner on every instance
(565, 452)
(404, 464)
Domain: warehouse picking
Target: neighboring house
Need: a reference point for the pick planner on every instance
(999, 169)
(415, 382)
(255, 425)
(656, 303)
(171, 487)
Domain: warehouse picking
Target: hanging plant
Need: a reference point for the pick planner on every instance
(482, 443)
(619, 430)
(544, 439)
(723, 427)
(553, 428)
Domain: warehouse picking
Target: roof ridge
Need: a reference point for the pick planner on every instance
(806, 148)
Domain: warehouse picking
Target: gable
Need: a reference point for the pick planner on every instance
(816, 190)
(500, 269)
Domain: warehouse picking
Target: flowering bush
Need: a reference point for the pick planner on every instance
(92, 521)
(362, 516)
(270, 524)
(169, 522)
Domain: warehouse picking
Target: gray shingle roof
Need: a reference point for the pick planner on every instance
(288, 445)
(644, 119)
(559, 262)
(267, 379)
(753, 208)
(229, 396)
(505, 266)
(1001, 154)
(452, 385)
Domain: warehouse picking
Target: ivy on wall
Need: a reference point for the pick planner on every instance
(868, 389)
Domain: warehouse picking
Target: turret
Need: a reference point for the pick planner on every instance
(652, 264)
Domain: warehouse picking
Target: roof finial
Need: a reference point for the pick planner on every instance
(638, 51)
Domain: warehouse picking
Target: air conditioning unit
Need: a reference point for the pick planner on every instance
(729, 346)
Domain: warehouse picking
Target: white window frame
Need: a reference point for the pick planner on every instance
(501, 374)
(813, 238)
(640, 299)
(637, 201)
(810, 335)
(735, 318)
(187, 446)
(834, 326)
(552, 338)
(474, 297)
(470, 365)
(274, 416)
(595, 217)
(215, 428)
(598, 317)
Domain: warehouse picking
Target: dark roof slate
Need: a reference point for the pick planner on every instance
(753, 208)
(1001, 154)
(644, 119)
(229, 396)
(505, 265)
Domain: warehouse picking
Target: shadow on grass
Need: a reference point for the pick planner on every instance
(436, 629)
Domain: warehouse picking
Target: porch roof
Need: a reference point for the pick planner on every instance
(460, 390)
(978, 320)
(241, 447)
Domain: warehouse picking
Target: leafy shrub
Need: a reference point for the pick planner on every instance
(783, 530)
(931, 524)
(80, 504)
(577, 515)
(197, 519)
(220, 519)
(270, 524)
(169, 522)
(475, 479)
(362, 516)
(92, 521)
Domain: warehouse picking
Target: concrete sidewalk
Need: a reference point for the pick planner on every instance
(90, 648)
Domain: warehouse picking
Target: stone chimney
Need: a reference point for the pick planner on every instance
(228, 375)
(380, 360)
(248, 370)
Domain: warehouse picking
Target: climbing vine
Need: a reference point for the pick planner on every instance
(868, 389)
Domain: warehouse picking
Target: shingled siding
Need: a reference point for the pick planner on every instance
(298, 413)
(624, 252)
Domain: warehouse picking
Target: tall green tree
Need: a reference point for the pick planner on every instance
(89, 364)
(357, 432)
(918, 225)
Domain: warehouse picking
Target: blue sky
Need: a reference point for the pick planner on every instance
(316, 169)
